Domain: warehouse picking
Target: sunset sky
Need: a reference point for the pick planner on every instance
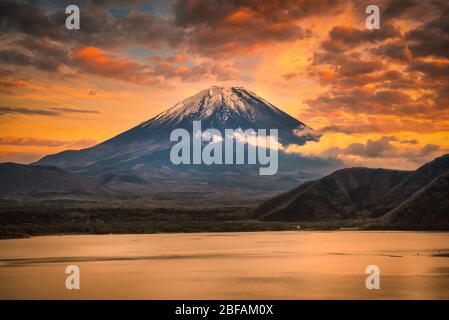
(379, 97)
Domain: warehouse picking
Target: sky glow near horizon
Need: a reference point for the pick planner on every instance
(380, 98)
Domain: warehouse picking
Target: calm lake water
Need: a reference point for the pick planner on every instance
(264, 265)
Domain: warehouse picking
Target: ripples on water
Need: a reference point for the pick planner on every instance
(265, 265)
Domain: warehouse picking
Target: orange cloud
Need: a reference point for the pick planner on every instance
(12, 84)
(240, 16)
(97, 61)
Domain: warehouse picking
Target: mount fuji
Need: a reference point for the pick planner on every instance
(146, 147)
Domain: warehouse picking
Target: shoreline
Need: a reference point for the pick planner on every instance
(246, 226)
(17, 223)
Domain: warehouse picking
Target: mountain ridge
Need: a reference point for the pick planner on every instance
(408, 199)
(429, 206)
(346, 195)
(419, 178)
(339, 195)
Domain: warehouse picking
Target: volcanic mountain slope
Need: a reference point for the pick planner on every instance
(337, 196)
(147, 145)
(417, 199)
(428, 208)
(410, 185)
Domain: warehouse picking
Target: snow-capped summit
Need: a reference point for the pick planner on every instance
(230, 107)
(219, 101)
(216, 107)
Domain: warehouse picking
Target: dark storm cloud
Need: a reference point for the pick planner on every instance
(11, 56)
(359, 128)
(432, 38)
(342, 38)
(397, 8)
(383, 148)
(393, 66)
(423, 154)
(41, 54)
(38, 142)
(433, 70)
(41, 112)
(46, 55)
(196, 72)
(98, 62)
(209, 28)
(27, 18)
(428, 148)
(390, 102)
(148, 30)
(443, 94)
(7, 86)
(392, 10)
(48, 52)
(98, 26)
(372, 148)
(213, 12)
(347, 65)
(411, 141)
(202, 11)
(396, 80)
(224, 27)
(355, 67)
(71, 110)
(8, 110)
(241, 37)
(397, 51)
(296, 161)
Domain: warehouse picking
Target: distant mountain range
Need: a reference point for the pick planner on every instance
(387, 198)
(402, 199)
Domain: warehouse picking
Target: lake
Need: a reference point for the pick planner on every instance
(259, 265)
